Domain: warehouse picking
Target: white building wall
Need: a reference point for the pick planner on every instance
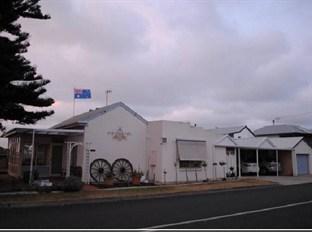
(220, 156)
(294, 162)
(214, 155)
(154, 144)
(99, 132)
(230, 160)
(168, 151)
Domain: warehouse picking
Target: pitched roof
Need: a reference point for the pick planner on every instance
(84, 118)
(281, 129)
(258, 142)
(226, 141)
(286, 143)
(229, 130)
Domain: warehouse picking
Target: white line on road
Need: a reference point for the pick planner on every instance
(229, 215)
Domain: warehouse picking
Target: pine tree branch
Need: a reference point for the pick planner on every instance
(20, 85)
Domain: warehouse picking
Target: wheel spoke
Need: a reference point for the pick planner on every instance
(98, 170)
(95, 165)
(122, 169)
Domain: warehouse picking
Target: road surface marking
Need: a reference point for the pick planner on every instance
(230, 215)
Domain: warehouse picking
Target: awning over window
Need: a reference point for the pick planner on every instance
(192, 150)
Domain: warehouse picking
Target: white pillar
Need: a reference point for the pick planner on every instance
(294, 163)
(276, 154)
(213, 161)
(239, 163)
(69, 149)
(32, 156)
(257, 161)
(86, 163)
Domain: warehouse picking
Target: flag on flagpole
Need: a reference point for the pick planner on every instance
(82, 93)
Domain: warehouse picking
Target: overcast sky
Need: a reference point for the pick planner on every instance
(214, 63)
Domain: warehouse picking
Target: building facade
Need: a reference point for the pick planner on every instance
(116, 139)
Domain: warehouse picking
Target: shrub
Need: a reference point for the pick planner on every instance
(137, 173)
(72, 184)
(35, 175)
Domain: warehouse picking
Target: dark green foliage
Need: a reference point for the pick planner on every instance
(20, 85)
(72, 184)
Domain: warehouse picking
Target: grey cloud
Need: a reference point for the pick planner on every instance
(177, 59)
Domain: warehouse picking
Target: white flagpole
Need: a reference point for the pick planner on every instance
(74, 103)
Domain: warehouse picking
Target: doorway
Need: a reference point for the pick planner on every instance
(303, 164)
(56, 163)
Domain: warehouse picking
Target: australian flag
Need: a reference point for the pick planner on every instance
(82, 93)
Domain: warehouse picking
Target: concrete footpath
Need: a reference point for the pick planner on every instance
(91, 195)
(289, 180)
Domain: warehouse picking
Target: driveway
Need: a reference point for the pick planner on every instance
(288, 180)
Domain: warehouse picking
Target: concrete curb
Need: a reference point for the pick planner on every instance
(18, 193)
(120, 188)
(130, 198)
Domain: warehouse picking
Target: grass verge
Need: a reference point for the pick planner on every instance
(129, 193)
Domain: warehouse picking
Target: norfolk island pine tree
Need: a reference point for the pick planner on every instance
(20, 85)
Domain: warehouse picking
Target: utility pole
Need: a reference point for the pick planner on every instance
(107, 92)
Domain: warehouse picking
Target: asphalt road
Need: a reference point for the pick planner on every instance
(273, 207)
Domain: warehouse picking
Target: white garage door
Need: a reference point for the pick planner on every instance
(303, 164)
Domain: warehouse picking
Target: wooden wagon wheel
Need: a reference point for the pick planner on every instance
(122, 169)
(99, 169)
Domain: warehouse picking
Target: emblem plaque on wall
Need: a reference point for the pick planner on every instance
(119, 134)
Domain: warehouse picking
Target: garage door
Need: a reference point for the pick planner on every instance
(303, 164)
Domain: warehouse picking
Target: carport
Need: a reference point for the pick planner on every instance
(259, 150)
(250, 150)
(296, 155)
(254, 150)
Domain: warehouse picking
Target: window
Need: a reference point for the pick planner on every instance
(74, 154)
(14, 155)
(190, 164)
(41, 154)
(26, 154)
(191, 150)
(230, 150)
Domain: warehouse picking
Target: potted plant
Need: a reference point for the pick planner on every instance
(204, 165)
(232, 171)
(109, 179)
(136, 177)
(222, 163)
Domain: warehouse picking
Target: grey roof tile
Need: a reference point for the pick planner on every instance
(281, 129)
(87, 116)
(228, 130)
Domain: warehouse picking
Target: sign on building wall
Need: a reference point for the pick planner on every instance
(119, 134)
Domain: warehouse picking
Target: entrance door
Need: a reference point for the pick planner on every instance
(303, 164)
(57, 154)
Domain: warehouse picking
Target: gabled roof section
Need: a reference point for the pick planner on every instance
(259, 142)
(281, 129)
(286, 143)
(84, 118)
(266, 143)
(226, 141)
(230, 130)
